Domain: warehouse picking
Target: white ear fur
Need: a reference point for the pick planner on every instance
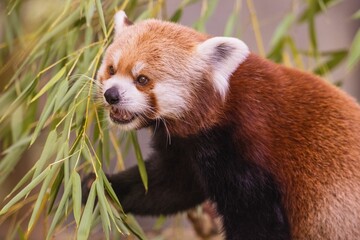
(121, 22)
(224, 55)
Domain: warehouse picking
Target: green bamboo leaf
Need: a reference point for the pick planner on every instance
(282, 29)
(110, 190)
(40, 196)
(90, 10)
(140, 160)
(101, 16)
(229, 27)
(12, 6)
(25, 191)
(9, 162)
(177, 15)
(275, 53)
(50, 146)
(24, 94)
(103, 208)
(313, 6)
(105, 225)
(160, 221)
(334, 61)
(63, 25)
(25, 140)
(50, 83)
(17, 123)
(21, 182)
(61, 92)
(120, 226)
(6, 98)
(316, 7)
(44, 116)
(69, 96)
(354, 52)
(76, 196)
(295, 52)
(55, 188)
(60, 209)
(209, 7)
(145, 14)
(134, 227)
(123, 229)
(86, 219)
(356, 15)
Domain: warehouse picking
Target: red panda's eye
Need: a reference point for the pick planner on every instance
(111, 70)
(142, 80)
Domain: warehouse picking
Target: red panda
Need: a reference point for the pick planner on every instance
(277, 149)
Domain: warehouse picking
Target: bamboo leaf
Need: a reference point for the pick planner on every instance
(45, 114)
(140, 160)
(354, 52)
(48, 150)
(50, 83)
(41, 196)
(110, 190)
(233, 18)
(230, 24)
(316, 7)
(55, 188)
(60, 209)
(28, 90)
(21, 182)
(282, 29)
(12, 6)
(9, 162)
(208, 9)
(76, 196)
(25, 191)
(103, 208)
(131, 223)
(334, 61)
(17, 123)
(177, 15)
(86, 219)
(101, 16)
(19, 143)
(63, 88)
(90, 9)
(356, 15)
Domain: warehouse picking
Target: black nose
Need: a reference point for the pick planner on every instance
(112, 95)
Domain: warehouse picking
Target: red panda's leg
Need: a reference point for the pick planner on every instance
(172, 187)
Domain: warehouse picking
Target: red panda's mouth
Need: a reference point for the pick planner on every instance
(121, 116)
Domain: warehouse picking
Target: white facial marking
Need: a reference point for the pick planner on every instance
(171, 98)
(224, 54)
(131, 98)
(137, 68)
(116, 57)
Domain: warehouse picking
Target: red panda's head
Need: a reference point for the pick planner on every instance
(156, 70)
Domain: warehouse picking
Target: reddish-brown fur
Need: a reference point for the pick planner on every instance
(306, 132)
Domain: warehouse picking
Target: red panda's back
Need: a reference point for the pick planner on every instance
(306, 132)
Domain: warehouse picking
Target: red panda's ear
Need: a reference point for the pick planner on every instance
(121, 22)
(223, 55)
